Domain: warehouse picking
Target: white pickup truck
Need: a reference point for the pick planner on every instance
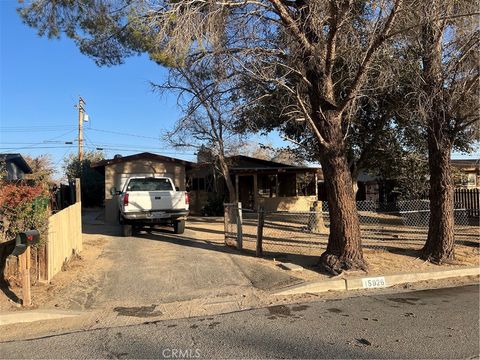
(152, 200)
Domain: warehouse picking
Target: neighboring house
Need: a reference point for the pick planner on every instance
(466, 173)
(257, 182)
(117, 170)
(15, 166)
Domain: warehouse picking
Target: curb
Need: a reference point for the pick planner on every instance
(35, 315)
(379, 281)
(314, 287)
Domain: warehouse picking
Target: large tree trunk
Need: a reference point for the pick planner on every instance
(440, 240)
(344, 249)
(441, 233)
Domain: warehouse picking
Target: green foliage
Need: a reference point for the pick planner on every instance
(22, 207)
(91, 181)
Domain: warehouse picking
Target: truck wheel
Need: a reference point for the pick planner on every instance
(179, 227)
(127, 230)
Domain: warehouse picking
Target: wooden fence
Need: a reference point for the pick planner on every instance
(469, 199)
(64, 238)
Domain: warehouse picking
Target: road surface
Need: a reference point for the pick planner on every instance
(441, 323)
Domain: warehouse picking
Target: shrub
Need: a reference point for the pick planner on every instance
(22, 207)
(214, 206)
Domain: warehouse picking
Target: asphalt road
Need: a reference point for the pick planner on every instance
(442, 323)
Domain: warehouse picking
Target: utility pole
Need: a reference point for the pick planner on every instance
(81, 110)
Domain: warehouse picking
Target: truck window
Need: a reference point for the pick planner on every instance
(149, 184)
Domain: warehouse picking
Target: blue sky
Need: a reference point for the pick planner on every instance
(41, 79)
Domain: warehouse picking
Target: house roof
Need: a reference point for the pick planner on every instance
(466, 163)
(18, 160)
(274, 170)
(240, 161)
(140, 156)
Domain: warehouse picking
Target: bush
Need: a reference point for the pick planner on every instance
(22, 207)
(214, 206)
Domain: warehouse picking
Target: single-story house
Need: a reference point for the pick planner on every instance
(117, 170)
(466, 173)
(272, 185)
(15, 166)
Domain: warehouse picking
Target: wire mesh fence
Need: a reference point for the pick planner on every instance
(382, 226)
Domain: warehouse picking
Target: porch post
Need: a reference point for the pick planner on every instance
(255, 191)
(236, 188)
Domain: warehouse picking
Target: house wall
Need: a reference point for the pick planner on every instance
(117, 174)
(294, 203)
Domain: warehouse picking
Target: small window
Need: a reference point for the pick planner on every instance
(286, 185)
(149, 184)
(194, 184)
(471, 180)
(210, 183)
(267, 185)
(201, 183)
(306, 184)
(198, 184)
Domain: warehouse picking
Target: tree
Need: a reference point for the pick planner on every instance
(334, 48)
(283, 155)
(443, 56)
(207, 99)
(91, 181)
(42, 169)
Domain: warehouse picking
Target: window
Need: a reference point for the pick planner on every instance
(471, 180)
(210, 183)
(286, 185)
(465, 180)
(306, 184)
(267, 185)
(198, 184)
(149, 184)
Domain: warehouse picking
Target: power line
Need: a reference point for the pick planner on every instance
(38, 143)
(139, 150)
(123, 134)
(34, 129)
(37, 147)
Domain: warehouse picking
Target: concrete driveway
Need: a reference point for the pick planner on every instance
(156, 267)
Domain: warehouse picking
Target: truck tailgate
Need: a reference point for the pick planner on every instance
(155, 201)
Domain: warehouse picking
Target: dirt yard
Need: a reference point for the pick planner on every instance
(78, 285)
(389, 245)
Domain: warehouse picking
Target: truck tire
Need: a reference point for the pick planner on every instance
(179, 227)
(127, 230)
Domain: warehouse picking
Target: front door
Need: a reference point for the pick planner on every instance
(246, 193)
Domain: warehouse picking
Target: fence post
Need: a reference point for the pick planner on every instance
(25, 261)
(78, 190)
(226, 219)
(239, 227)
(261, 220)
(315, 218)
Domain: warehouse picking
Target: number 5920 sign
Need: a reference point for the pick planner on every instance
(375, 282)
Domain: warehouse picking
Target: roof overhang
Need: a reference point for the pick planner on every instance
(140, 156)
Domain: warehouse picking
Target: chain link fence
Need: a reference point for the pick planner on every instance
(383, 226)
